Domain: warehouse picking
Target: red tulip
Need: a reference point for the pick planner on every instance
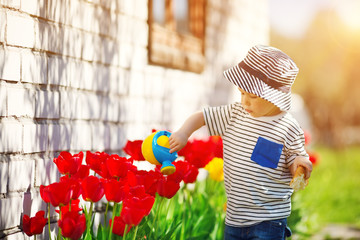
(116, 191)
(133, 148)
(74, 208)
(119, 226)
(44, 194)
(118, 166)
(72, 225)
(95, 160)
(34, 225)
(135, 207)
(167, 188)
(313, 157)
(67, 163)
(74, 185)
(92, 189)
(83, 172)
(217, 142)
(199, 153)
(58, 193)
(149, 180)
(184, 171)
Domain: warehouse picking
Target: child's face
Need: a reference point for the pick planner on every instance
(256, 106)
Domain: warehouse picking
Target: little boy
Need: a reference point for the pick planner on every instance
(263, 144)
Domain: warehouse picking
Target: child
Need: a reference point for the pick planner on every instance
(263, 144)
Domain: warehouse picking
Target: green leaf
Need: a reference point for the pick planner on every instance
(88, 236)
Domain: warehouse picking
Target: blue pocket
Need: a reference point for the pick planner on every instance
(267, 153)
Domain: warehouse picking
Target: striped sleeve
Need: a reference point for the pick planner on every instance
(295, 147)
(217, 119)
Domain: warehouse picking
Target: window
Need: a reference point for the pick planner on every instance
(176, 34)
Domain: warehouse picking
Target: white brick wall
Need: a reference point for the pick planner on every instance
(20, 30)
(74, 76)
(11, 209)
(33, 67)
(2, 25)
(10, 64)
(11, 136)
(4, 173)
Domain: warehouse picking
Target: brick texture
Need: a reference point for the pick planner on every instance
(74, 76)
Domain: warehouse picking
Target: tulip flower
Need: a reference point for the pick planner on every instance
(44, 194)
(133, 148)
(83, 172)
(72, 225)
(74, 207)
(92, 189)
(184, 171)
(216, 169)
(74, 185)
(118, 166)
(135, 207)
(167, 188)
(313, 157)
(149, 180)
(97, 162)
(198, 152)
(67, 163)
(217, 143)
(116, 191)
(58, 193)
(34, 225)
(119, 226)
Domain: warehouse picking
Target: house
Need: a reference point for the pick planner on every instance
(78, 75)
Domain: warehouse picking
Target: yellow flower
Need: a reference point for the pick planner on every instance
(216, 169)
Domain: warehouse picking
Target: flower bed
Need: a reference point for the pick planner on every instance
(142, 204)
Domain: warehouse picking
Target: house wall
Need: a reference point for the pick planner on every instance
(74, 76)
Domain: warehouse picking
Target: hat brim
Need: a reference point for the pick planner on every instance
(249, 83)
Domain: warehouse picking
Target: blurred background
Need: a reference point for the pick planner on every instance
(323, 38)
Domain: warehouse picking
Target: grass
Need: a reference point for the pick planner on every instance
(333, 194)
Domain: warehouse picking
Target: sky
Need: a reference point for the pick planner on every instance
(291, 17)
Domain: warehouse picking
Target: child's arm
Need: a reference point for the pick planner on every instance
(179, 138)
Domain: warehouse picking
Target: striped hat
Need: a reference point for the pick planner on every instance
(266, 72)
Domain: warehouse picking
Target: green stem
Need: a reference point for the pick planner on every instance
(90, 210)
(136, 229)
(125, 232)
(157, 214)
(35, 237)
(105, 215)
(59, 232)
(184, 207)
(112, 220)
(49, 221)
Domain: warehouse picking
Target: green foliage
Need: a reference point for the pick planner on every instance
(190, 214)
(332, 195)
(193, 213)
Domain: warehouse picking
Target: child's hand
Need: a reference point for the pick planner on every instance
(177, 141)
(302, 161)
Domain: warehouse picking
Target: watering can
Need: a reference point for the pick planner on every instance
(155, 149)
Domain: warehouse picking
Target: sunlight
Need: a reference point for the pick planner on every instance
(349, 12)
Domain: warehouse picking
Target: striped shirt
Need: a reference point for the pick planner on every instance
(257, 156)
